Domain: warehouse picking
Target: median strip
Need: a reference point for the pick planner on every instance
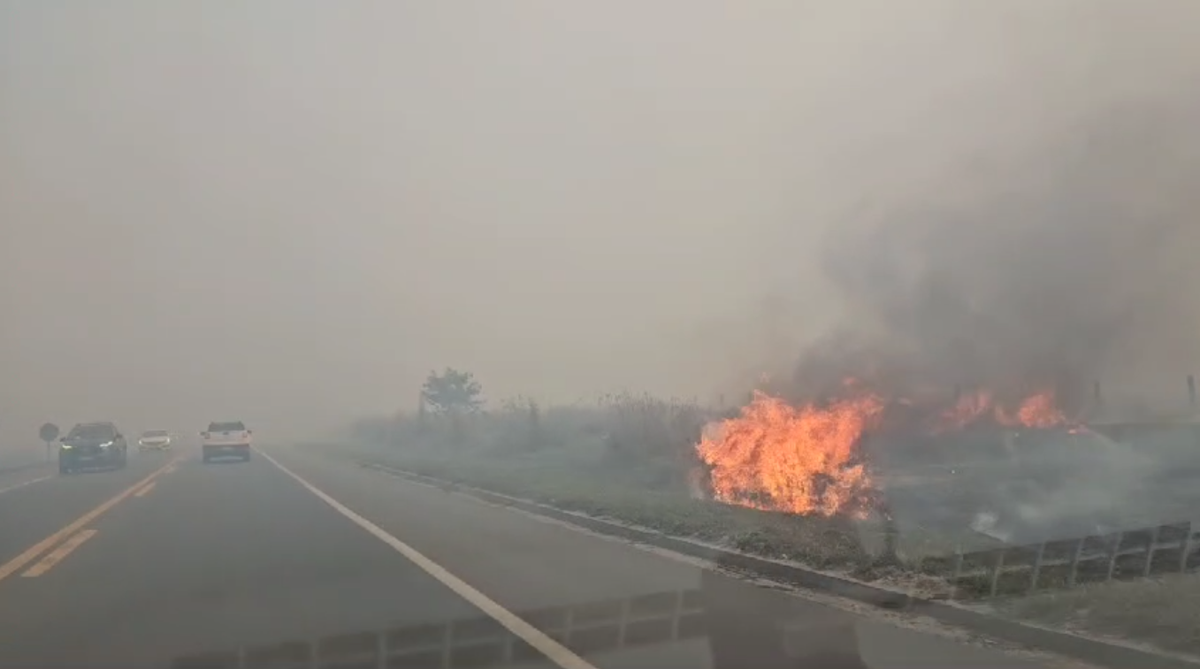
(58, 554)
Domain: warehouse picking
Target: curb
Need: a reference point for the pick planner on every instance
(1093, 651)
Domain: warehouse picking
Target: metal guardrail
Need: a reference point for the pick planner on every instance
(657, 618)
(1067, 563)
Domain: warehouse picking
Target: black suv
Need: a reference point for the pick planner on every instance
(92, 445)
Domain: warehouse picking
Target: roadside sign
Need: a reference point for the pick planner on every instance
(48, 432)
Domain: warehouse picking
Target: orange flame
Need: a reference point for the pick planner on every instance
(969, 408)
(800, 460)
(1039, 410)
(809, 459)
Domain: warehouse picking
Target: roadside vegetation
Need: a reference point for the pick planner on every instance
(1162, 612)
(627, 457)
(631, 458)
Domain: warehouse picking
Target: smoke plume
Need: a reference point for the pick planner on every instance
(1064, 264)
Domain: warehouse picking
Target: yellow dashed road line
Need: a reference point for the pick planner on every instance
(16, 564)
(58, 554)
(147, 488)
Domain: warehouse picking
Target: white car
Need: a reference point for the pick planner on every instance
(154, 440)
(227, 439)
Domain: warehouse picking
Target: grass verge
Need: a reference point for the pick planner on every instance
(1158, 613)
(620, 461)
(1162, 612)
(828, 544)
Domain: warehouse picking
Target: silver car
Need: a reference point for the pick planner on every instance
(154, 440)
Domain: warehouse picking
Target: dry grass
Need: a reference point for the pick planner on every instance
(623, 435)
(1164, 612)
(822, 543)
(624, 457)
(1161, 612)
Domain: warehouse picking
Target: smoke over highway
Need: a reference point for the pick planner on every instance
(291, 222)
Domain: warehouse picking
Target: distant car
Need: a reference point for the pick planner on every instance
(154, 440)
(230, 439)
(90, 445)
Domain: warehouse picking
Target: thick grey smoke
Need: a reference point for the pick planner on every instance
(1056, 254)
(567, 201)
(1066, 262)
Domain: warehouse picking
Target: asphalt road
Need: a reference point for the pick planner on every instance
(174, 563)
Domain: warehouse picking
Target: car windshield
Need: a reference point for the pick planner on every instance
(685, 335)
(93, 431)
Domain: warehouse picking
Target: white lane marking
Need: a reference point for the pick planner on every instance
(556, 652)
(146, 488)
(22, 484)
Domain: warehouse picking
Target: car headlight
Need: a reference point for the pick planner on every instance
(67, 447)
(106, 444)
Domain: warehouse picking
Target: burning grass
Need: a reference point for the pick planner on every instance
(640, 460)
(633, 459)
(851, 481)
(623, 459)
(805, 460)
(574, 482)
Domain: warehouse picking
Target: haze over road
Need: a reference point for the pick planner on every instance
(184, 559)
(635, 197)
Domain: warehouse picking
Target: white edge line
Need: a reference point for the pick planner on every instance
(556, 652)
(22, 484)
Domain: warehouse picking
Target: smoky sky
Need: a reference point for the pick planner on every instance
(288, 212)
(1074, 263)
(1061, 259)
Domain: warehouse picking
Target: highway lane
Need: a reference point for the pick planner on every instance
(243, 558)
(14, 477)
(17, 457)
(213, 556)
(36, 502)
(20, 466)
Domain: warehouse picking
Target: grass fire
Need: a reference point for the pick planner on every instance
(810, 458)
